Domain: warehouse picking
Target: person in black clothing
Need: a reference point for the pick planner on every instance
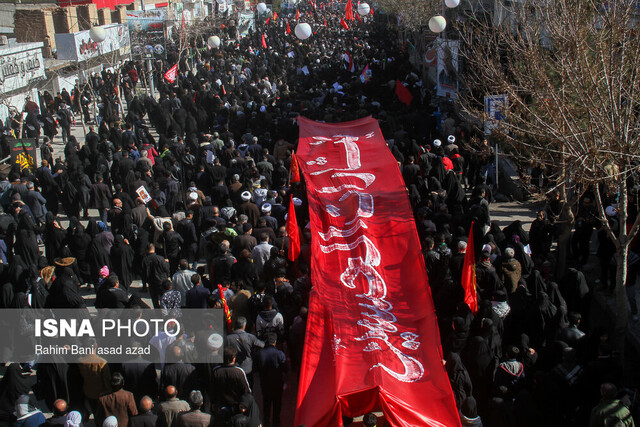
(154, 271)
(110, 295)
(228, 383)
(271, 363)
(172, 243)
(59, 417)
(187, 231)
(145, 417)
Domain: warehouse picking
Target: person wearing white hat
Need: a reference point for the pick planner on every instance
(451, 139)
(214, 343)
(266, 214)
(437, 143)
(248, 208)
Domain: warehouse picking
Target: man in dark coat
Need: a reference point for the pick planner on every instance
(172, 242)
(187, 231)
(272, 365)
(140, 376)
(155, 270)
(177, 373)
(249, 209)
(101, 195)
(228, 382)
(145, 417)
(36, 202)
(59, 417)
(246, 344)
(110, 295)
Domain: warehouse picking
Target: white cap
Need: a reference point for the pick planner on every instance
(193, 195)
(437, 143)
(246, 196)
(296, 201)
(486, 248)
(451, 139)
(266, 208)
(610, 211)
(214, 342)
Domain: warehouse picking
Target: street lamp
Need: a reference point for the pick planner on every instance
(364, 9)
(438, 23)
(303, 31)
(213, 42)
(97, 34)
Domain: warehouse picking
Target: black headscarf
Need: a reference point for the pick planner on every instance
(54, 238)
(122, 256)
(459, 377)
(12, 386)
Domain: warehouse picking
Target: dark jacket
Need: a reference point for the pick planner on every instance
(101, 195)
(246, 344)
(271, 363)
(148, 419)
(228, 385)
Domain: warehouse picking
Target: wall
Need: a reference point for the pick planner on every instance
(33, 25)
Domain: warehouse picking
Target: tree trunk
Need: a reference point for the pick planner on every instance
(622, 311)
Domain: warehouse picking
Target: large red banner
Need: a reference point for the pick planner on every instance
(372, 340)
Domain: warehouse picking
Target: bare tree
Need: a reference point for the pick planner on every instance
(571, 70)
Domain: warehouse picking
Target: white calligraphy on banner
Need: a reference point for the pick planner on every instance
(377, 314)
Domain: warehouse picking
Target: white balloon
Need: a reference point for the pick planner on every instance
(437, 24)
(262, 8)
(303, 31)
(213, 42)
(97, 34)
(363, 9)
(451, 3)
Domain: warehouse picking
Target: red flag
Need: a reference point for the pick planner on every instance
(344, 23)
(264, 42)
(224, 91)
(227, 312)
(469, 275)
(275, 16)
(403, 93)
(348, 11)
(358, 17)
(293, 232)
(297, 14)
(295, 169)
(371, 11)
(363, 275)
(171, 73)
(288, 28)
(325, 22)
(268, 20)
(348, 59)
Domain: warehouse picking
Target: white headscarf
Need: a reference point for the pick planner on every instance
(74, 419)
(110, 422)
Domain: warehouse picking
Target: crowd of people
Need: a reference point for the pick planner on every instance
(205, 203)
